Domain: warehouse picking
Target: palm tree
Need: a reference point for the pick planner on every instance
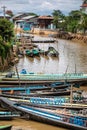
(57, 14)
(83, 24)
(73, 21)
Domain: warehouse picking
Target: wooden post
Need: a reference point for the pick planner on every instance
(71, 94)
(12, 91)
(0, 91)
(18, 76)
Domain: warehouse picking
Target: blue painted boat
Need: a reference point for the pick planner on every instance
(23, 71)
(71, 122)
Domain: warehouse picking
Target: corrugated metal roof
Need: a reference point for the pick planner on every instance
(45, 17)
(17, 15)
(28, 17)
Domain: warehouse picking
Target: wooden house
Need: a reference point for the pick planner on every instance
(25, 21)
(45, 22)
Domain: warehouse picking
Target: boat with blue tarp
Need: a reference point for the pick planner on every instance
(71, 122)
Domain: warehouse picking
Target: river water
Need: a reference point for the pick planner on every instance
(72, 58)
(21, 124)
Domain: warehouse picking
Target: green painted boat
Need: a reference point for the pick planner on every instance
(35, 52)
(29, 53)
(5, 127)
(53, 52)
(32, 53)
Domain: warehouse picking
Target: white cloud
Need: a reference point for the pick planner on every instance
(41, 6)
(47, 5)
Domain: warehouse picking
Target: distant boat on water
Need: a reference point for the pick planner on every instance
(53, 52)
(32, 53)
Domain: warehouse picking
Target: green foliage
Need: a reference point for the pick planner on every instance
(57, 13)
(58, 16)
(6, 35)
(76, 15)
(72, 27)
(31, 13)
(83, 24)
(4, 49)
(73, 21)
(6, 30)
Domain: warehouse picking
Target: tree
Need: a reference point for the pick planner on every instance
(9, 12)
(6, 30)
(4, 50)
(57, 14)
(76, 14)
(83, 24)
(6, 35)
(73, 21)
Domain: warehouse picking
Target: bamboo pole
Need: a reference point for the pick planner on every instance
(18, 75)
(71, 94)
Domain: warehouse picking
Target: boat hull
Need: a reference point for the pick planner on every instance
(6, 118)
(45, 116)
(6, 127)
(56, 123)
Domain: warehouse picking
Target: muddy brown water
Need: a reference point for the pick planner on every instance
(72, 58)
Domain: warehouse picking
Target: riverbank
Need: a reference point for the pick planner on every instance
(9, 64)
(76, 37)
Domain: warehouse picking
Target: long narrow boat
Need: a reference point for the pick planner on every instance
(47, 77)
(70, 122)
(5, 127)
(34, 87)
(13, 82)
(6, 115)
(53, 52)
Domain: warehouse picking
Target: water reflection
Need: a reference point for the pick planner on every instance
(71, 54)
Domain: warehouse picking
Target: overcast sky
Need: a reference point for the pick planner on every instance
(41, 7)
